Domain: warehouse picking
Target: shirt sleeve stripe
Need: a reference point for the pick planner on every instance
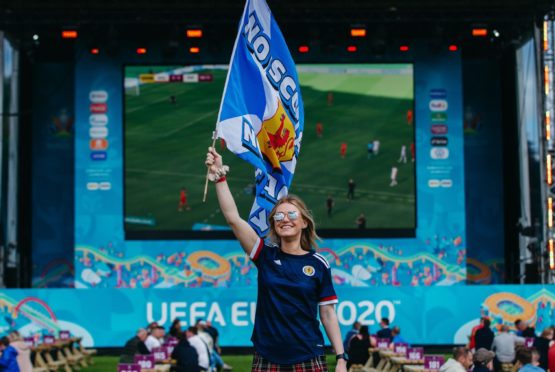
(322, 259)
(255, 252)
(328, 300)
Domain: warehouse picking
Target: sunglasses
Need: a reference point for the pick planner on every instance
(280, 216)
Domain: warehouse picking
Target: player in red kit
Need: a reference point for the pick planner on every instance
(412, 152)
(183, 200)
(319, 130)
(343, 150)
(410, 117)
(330, 98)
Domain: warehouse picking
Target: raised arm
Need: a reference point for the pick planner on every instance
(243, 231)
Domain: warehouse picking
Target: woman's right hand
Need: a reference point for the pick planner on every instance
(213, 161)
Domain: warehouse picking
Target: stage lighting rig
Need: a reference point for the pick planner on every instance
(194, 33)
(551, 253)
(479, 32)
(547, 47)
(358, 31)
(70, 34)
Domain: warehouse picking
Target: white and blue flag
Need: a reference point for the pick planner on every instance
(261, 115)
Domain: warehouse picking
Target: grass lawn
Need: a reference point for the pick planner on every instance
(240, 363)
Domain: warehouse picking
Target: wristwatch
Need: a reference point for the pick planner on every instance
(344, 356)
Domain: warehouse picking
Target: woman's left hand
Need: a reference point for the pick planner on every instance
(341, 366)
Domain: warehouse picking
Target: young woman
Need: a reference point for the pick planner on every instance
(294, 282)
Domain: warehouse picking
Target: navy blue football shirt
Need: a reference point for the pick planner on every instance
(290, 289)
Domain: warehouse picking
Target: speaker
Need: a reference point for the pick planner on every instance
(531, 274)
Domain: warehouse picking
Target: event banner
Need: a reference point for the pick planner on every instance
(426, 315)
(52, 164)
(150, 188)
(484, 172)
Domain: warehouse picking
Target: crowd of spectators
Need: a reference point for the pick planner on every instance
(358, 340)
(498, 348)
(518, 349)
(196, 348)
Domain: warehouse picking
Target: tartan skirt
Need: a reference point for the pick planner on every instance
(261, 364)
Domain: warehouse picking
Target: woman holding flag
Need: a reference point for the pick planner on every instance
(294, 282)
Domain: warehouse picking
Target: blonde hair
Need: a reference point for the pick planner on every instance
(308, 235)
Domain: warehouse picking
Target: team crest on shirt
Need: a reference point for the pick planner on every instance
(308, 270)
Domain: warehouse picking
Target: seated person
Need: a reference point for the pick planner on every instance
(202, 349)
(385, 331)
(396, 337)
(483, 360)
(460, 362)
(350, 335)
(185, 355)
(526, 361)
(134, 346)
(175, 328)
(155, 338)
(358, 347)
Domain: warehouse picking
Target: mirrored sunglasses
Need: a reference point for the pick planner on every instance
(280, 216)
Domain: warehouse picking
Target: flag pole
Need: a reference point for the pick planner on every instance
(223, 94)
(208, 170)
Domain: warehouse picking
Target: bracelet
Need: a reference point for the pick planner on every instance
(218, 174)
(222, 179)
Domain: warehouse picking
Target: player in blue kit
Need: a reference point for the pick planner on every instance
(294, 284)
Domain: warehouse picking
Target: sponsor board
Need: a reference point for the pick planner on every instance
(438, 117)
(98, 120)
(98, 96)
(434, 183)
(146, 78)
(439, 129)
(162, 78)
(190, 78)
(98, 144)
(439, 153)
(446, 183)
(105, 186)
(98, 132)
(205, 77)
(438, 93)
(439, 141)
(98, 108)
(176, 78)
(438, 105)
(92, 186)
(99, 155)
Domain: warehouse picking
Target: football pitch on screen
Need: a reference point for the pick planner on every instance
(168, 127)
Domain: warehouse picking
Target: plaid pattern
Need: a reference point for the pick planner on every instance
(317, 364)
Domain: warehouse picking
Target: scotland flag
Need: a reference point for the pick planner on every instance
(261, 115)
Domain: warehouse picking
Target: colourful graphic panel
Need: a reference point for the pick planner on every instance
(109, 317)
